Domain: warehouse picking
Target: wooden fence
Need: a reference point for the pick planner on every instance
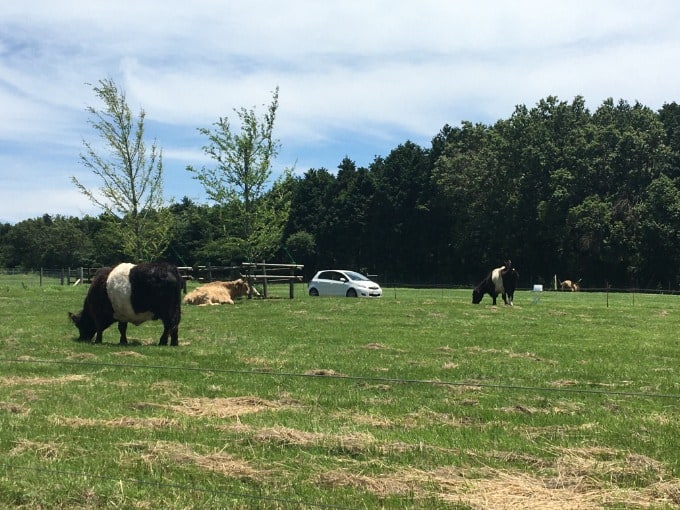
(261, 273)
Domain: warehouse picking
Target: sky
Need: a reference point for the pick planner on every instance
(356, 78)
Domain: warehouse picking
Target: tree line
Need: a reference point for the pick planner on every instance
(555, 187)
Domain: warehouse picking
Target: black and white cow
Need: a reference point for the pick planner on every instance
(501, 280)
(132, 293)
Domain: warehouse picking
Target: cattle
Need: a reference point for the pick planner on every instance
(132, 293)
(501, 280)
(570, 285)
(218, 293)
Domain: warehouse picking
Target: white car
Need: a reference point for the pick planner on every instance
(340, 282)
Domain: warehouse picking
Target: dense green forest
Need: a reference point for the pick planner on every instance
(557, 188)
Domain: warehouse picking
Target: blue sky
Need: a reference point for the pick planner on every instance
(356, 78)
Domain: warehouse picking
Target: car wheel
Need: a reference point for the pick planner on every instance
(351, 293)
(313, 292)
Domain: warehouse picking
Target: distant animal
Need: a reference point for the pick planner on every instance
(132, 293)
(218, 293)
(501, 280)
(570, 285)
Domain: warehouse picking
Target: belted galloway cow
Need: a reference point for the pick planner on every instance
(501, 280)
(132, 293)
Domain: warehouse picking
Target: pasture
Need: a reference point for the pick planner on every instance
(416, 400)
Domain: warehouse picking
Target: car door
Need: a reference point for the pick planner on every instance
(335, 284)
(340, 284)
(325, 283)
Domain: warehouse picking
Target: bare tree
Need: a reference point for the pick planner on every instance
(132, 179)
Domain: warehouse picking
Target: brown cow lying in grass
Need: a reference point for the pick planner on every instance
(570, 285)
(218, 293)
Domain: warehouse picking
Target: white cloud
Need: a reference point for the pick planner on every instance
(356, 77)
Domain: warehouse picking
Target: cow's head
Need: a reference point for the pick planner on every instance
(238, 288)
(477, 295)
(243, 288)
(85, 325)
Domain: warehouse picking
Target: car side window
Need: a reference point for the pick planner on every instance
(326, 275)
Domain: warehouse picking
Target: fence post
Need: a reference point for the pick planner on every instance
(291, 292)
(264, 277)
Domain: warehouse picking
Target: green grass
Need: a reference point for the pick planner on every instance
(416, 400)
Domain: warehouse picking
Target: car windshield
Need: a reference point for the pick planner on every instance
(356, 276)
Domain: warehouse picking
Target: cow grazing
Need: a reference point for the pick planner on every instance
(501, 280)
(570, 285)
(132, 293)
(218, 293)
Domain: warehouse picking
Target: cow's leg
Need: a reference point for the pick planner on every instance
(174, 336)
(505, 299)
(98, 338)
(169, 331)
(494, 296)
(170, 328)
(122, 328)
(164, 335)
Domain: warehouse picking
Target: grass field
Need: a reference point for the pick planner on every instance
(416, 400)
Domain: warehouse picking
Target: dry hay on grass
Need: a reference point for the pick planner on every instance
(327, 372)
(375, 346)
(568, 408)
(123, 421)
(181, 454)
(194, 407)
(129, 354)
(223, 407)
(354, 443)
(411, 421)
(577, 479)
(44, 451)
(82, 356)
(511, 354)
(13, 408)
(41, 381)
